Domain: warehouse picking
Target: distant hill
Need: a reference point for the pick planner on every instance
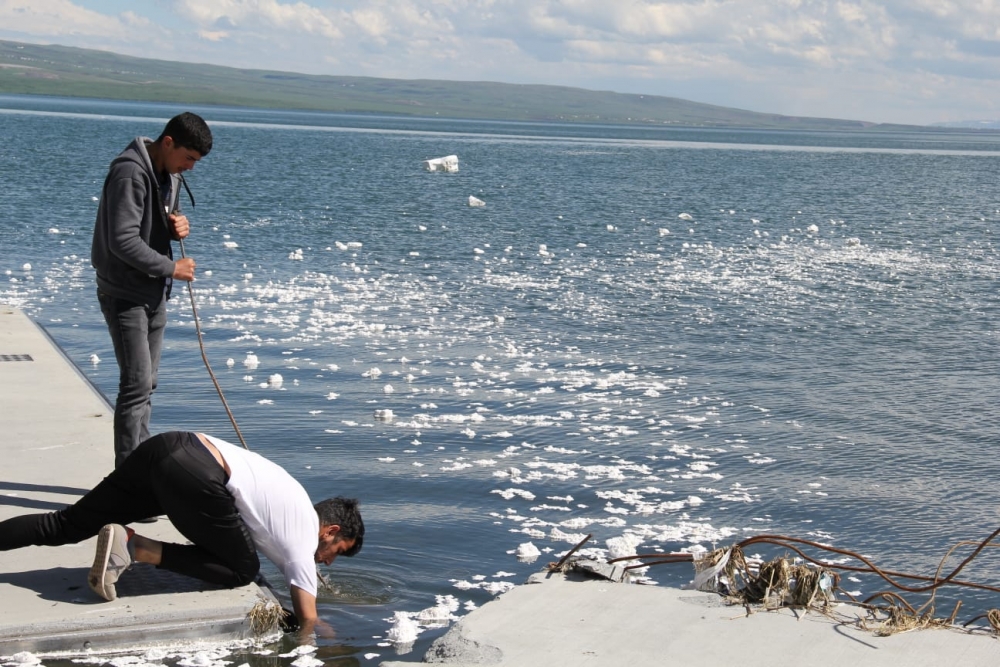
(970, 124)
(72, 72)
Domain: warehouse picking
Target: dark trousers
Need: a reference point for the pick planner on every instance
(137, 336)
(173, 474)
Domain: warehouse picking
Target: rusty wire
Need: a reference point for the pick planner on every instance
(896, 612)
(558, 566)
(889, 576)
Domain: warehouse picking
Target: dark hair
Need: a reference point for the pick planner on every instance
(343, 512)
(189, 130)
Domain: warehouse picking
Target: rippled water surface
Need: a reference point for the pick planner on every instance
(681, 337)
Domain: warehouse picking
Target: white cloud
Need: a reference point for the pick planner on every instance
(255, 15)
(135, 21)
(373, 22)
(56, 18)
(213, 35)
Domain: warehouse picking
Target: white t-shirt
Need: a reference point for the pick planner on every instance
(277, 511)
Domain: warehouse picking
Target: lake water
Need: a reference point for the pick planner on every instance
(684, 336)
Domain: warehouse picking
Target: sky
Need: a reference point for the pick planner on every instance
(899, 61)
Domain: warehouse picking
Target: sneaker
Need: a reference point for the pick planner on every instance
(112, 558)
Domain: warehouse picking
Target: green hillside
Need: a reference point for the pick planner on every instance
(72, 72)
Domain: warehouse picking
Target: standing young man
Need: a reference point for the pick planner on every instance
(137, 218)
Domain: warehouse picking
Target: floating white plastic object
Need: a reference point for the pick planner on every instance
(475, 201)
(447, 163)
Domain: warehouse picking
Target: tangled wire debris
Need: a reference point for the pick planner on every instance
(805, 581)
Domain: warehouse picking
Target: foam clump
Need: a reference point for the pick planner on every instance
(251, 361)
(476, 201)
(303, 656)
(203, 659)
(686, 216)
(508, 494)
(562, 536)
(497, 587)
(384, 415)
(448, 163)
(276, 380)
(527, 552)
(623, 546)
(404, 629)
(441, 614)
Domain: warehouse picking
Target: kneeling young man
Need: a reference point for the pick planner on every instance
(229, 502)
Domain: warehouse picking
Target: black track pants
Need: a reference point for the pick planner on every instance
(173, 474)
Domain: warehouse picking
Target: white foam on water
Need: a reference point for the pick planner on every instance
(404, 628)
(527, 551)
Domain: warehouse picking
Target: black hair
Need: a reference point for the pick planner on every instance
(189, 130)
(343, 512)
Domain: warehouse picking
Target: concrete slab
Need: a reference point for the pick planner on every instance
(56, 444)
(558, 620)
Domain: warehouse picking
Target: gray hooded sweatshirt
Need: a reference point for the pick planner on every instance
(131, 250)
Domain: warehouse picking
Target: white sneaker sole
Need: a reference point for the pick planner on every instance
(100, 566)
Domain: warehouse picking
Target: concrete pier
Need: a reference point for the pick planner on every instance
(566, 620)
(56, 444)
